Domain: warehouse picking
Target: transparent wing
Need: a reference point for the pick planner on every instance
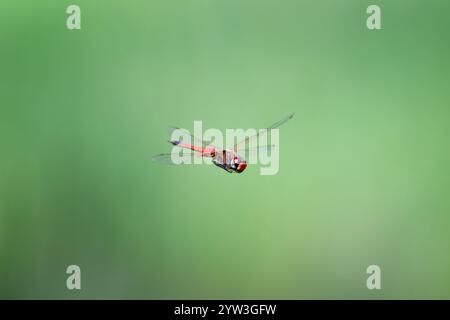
(256, 150)
(166, 158)
(281, 122)
(195, 141)
(241, 145)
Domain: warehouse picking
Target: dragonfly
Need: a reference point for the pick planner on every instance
(230, 160)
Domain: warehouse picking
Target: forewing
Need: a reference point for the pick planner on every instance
(241, 145)
(195, 140)
(258, 149)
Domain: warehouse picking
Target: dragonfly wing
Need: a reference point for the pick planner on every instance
(281, 122)
(166, 158)
(243, 143)
(183, 132)
(257, 149)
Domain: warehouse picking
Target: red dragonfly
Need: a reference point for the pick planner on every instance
(228, 159)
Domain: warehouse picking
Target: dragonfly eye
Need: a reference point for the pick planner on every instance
(241, 167)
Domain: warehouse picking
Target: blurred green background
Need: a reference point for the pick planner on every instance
(364, 174)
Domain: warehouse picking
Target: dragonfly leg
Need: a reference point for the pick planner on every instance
(224, 167)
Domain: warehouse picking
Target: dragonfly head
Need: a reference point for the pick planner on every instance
(241, 166)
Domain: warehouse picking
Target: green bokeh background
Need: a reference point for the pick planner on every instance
(364, 174)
